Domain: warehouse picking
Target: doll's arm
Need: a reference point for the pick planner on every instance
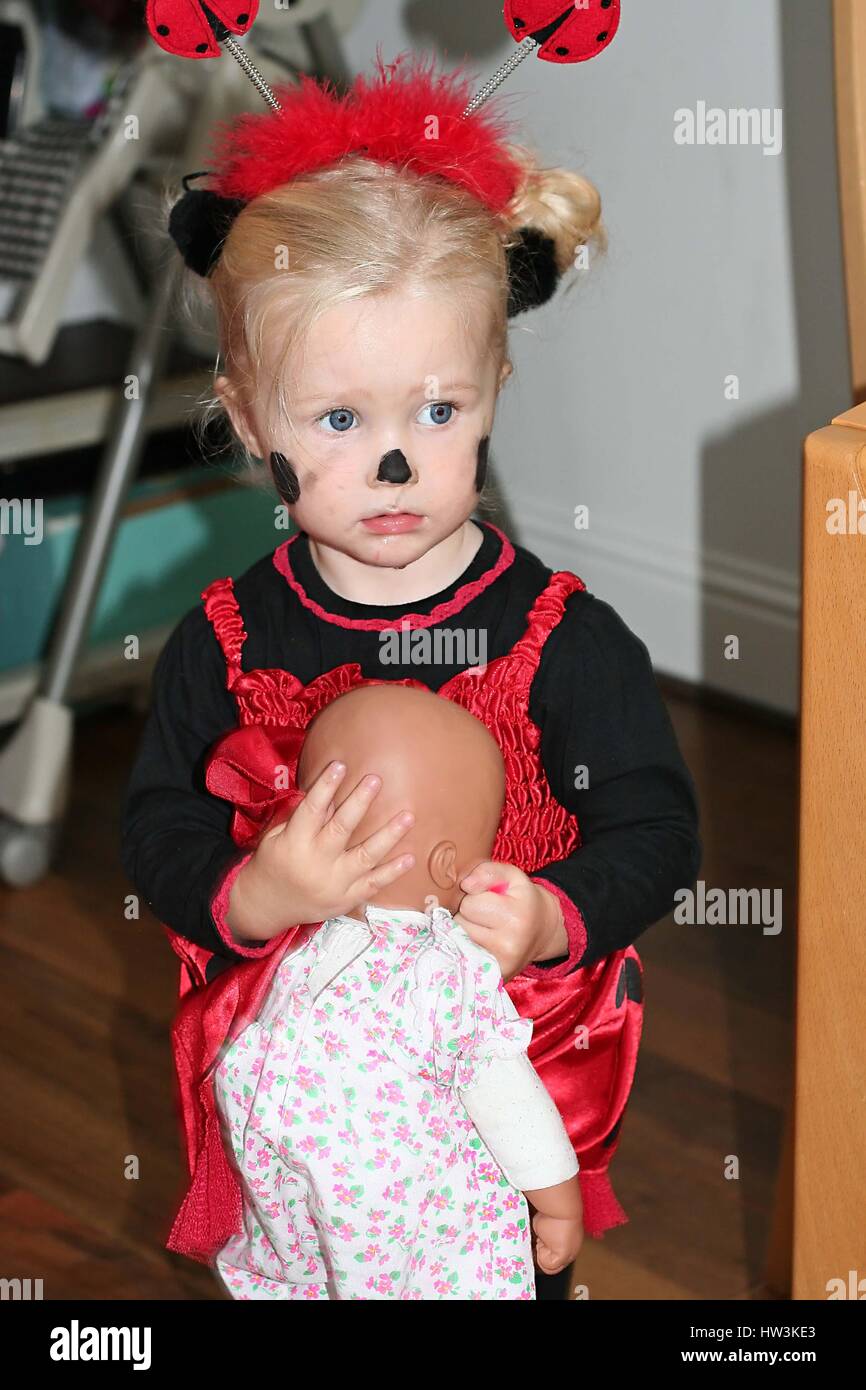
(521, 1126)
(604, 727)
(175, 842)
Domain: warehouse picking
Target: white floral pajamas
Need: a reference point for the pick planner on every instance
(363, 1175)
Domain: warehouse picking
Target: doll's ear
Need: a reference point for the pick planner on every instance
(533, 274)
(199, 223)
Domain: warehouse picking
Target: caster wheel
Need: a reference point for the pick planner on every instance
(26, 852)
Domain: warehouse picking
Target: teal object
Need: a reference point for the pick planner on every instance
(163, 555)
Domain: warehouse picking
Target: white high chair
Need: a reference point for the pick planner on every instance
(77, 170)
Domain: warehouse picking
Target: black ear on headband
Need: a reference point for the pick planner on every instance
(533, 274)
(201, 220)
(199, 223)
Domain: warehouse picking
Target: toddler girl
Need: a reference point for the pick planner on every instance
(363, 255)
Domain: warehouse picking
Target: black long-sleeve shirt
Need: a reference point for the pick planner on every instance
(594, 698)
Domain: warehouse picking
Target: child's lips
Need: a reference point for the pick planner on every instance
(392, 522)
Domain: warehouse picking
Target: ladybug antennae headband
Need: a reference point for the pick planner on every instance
(386, 120)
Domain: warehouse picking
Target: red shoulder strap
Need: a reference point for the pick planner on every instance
(224, 616)
(545, 613)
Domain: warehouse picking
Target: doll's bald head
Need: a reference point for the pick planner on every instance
(436, 760)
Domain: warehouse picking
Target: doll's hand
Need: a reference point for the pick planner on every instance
(302, 870)
(517, 922)
(557, 1241)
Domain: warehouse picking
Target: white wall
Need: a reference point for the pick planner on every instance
(722, 260)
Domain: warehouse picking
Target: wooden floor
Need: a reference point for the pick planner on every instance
(86, 998)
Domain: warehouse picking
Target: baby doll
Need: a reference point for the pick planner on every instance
(363, 254)
(381, 1108)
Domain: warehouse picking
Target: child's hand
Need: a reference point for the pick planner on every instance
(303, 872)
(557, 1241)
(513, 918)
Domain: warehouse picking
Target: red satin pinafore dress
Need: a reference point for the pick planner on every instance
(587, 1024)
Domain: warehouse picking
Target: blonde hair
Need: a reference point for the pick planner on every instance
(360, 227)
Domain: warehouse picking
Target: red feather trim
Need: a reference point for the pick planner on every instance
(405, 114)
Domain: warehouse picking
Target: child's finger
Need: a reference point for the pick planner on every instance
(366, 887)
(338, 826)
(487, 909)
(314, 810)
(481, 877)
(477, 930)
(544, 1258)
(492, 939)
(365, 856)
(480, 935)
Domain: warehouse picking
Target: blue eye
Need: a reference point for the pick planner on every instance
(438, 417)
(341, 419)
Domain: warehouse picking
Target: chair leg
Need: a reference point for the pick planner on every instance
(33, 790)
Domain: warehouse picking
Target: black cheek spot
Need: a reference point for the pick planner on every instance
(285, 478)
(481, 465)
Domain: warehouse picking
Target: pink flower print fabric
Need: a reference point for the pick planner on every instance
(362, 1173)
(463, 1017)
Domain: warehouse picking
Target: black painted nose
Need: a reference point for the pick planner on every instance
(393, 468)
